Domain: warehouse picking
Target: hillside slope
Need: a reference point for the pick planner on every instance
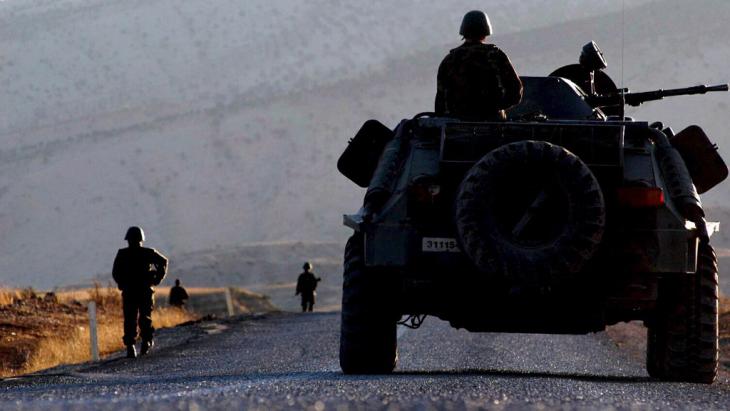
(216, 127)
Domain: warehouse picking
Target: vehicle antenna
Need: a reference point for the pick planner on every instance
(623, 35)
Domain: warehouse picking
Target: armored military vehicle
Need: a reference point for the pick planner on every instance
(559, 220)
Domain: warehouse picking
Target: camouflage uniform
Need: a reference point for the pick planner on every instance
(137, 270)
(476, 81)
(306, 286)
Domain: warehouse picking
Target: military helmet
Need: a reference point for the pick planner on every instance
(475, 25)
(307, 266)
(592, 58)
(134, 233)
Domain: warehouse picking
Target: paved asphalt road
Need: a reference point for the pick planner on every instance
(290, 361)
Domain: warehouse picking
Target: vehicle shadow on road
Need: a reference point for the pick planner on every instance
(528, 374)
(510, 374)
(41, 383)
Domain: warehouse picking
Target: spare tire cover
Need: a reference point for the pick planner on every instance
(530, 211)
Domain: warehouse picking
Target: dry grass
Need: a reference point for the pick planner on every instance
(724, 304)
(69, 342)
(75, 347)
(7, 297)
(97, 293)
(164, 293)
(166, 317)
(53, 329)
(105, 296)
(70, 349)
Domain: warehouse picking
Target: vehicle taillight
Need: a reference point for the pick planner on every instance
(425, 193)
(640, 197)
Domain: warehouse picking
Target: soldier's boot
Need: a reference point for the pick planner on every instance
(146, 347)
(131, 351)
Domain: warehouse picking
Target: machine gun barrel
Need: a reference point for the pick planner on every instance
(636, 99)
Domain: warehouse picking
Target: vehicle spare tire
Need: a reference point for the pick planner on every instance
(530, 211)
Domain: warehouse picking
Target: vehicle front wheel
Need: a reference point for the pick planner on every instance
(682, 339)
(368, 341)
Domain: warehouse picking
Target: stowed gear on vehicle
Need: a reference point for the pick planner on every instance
(558, 220)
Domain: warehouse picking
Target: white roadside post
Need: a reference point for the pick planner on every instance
(92, 331)
(229, 301)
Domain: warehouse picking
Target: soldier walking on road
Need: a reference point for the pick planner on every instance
(476, 81)
(178, 295)
(137, 270)
(306, 286)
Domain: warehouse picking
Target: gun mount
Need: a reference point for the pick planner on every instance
(636, 99)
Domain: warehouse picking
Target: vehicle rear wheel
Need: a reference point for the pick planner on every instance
(368, 341)
(682, 343)
(530, 211)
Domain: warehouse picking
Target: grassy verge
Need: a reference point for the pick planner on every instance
(75, 346)
(42, 331)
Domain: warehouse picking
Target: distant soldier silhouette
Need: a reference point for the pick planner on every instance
(137, 270)
(306, 286)
(178, 295)
(476, 81)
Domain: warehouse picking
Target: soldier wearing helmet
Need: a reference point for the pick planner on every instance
(306, 286)
(589, 75)
(476, 81)
(136, 271)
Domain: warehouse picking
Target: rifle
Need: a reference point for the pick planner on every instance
(636, 99)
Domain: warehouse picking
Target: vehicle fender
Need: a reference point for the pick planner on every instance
(387, 171)
(678, 180)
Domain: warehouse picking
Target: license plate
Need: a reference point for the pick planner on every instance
(440, 245)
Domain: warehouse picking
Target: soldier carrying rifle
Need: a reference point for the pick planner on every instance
(306, 286)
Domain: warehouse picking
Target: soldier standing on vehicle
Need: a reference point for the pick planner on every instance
(306, 286)
(137, 270)
(476, 81)
(178, 295)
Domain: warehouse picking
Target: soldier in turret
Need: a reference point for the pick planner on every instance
(589, 73)
(306, 286)
(476, 81)
(136, 271)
